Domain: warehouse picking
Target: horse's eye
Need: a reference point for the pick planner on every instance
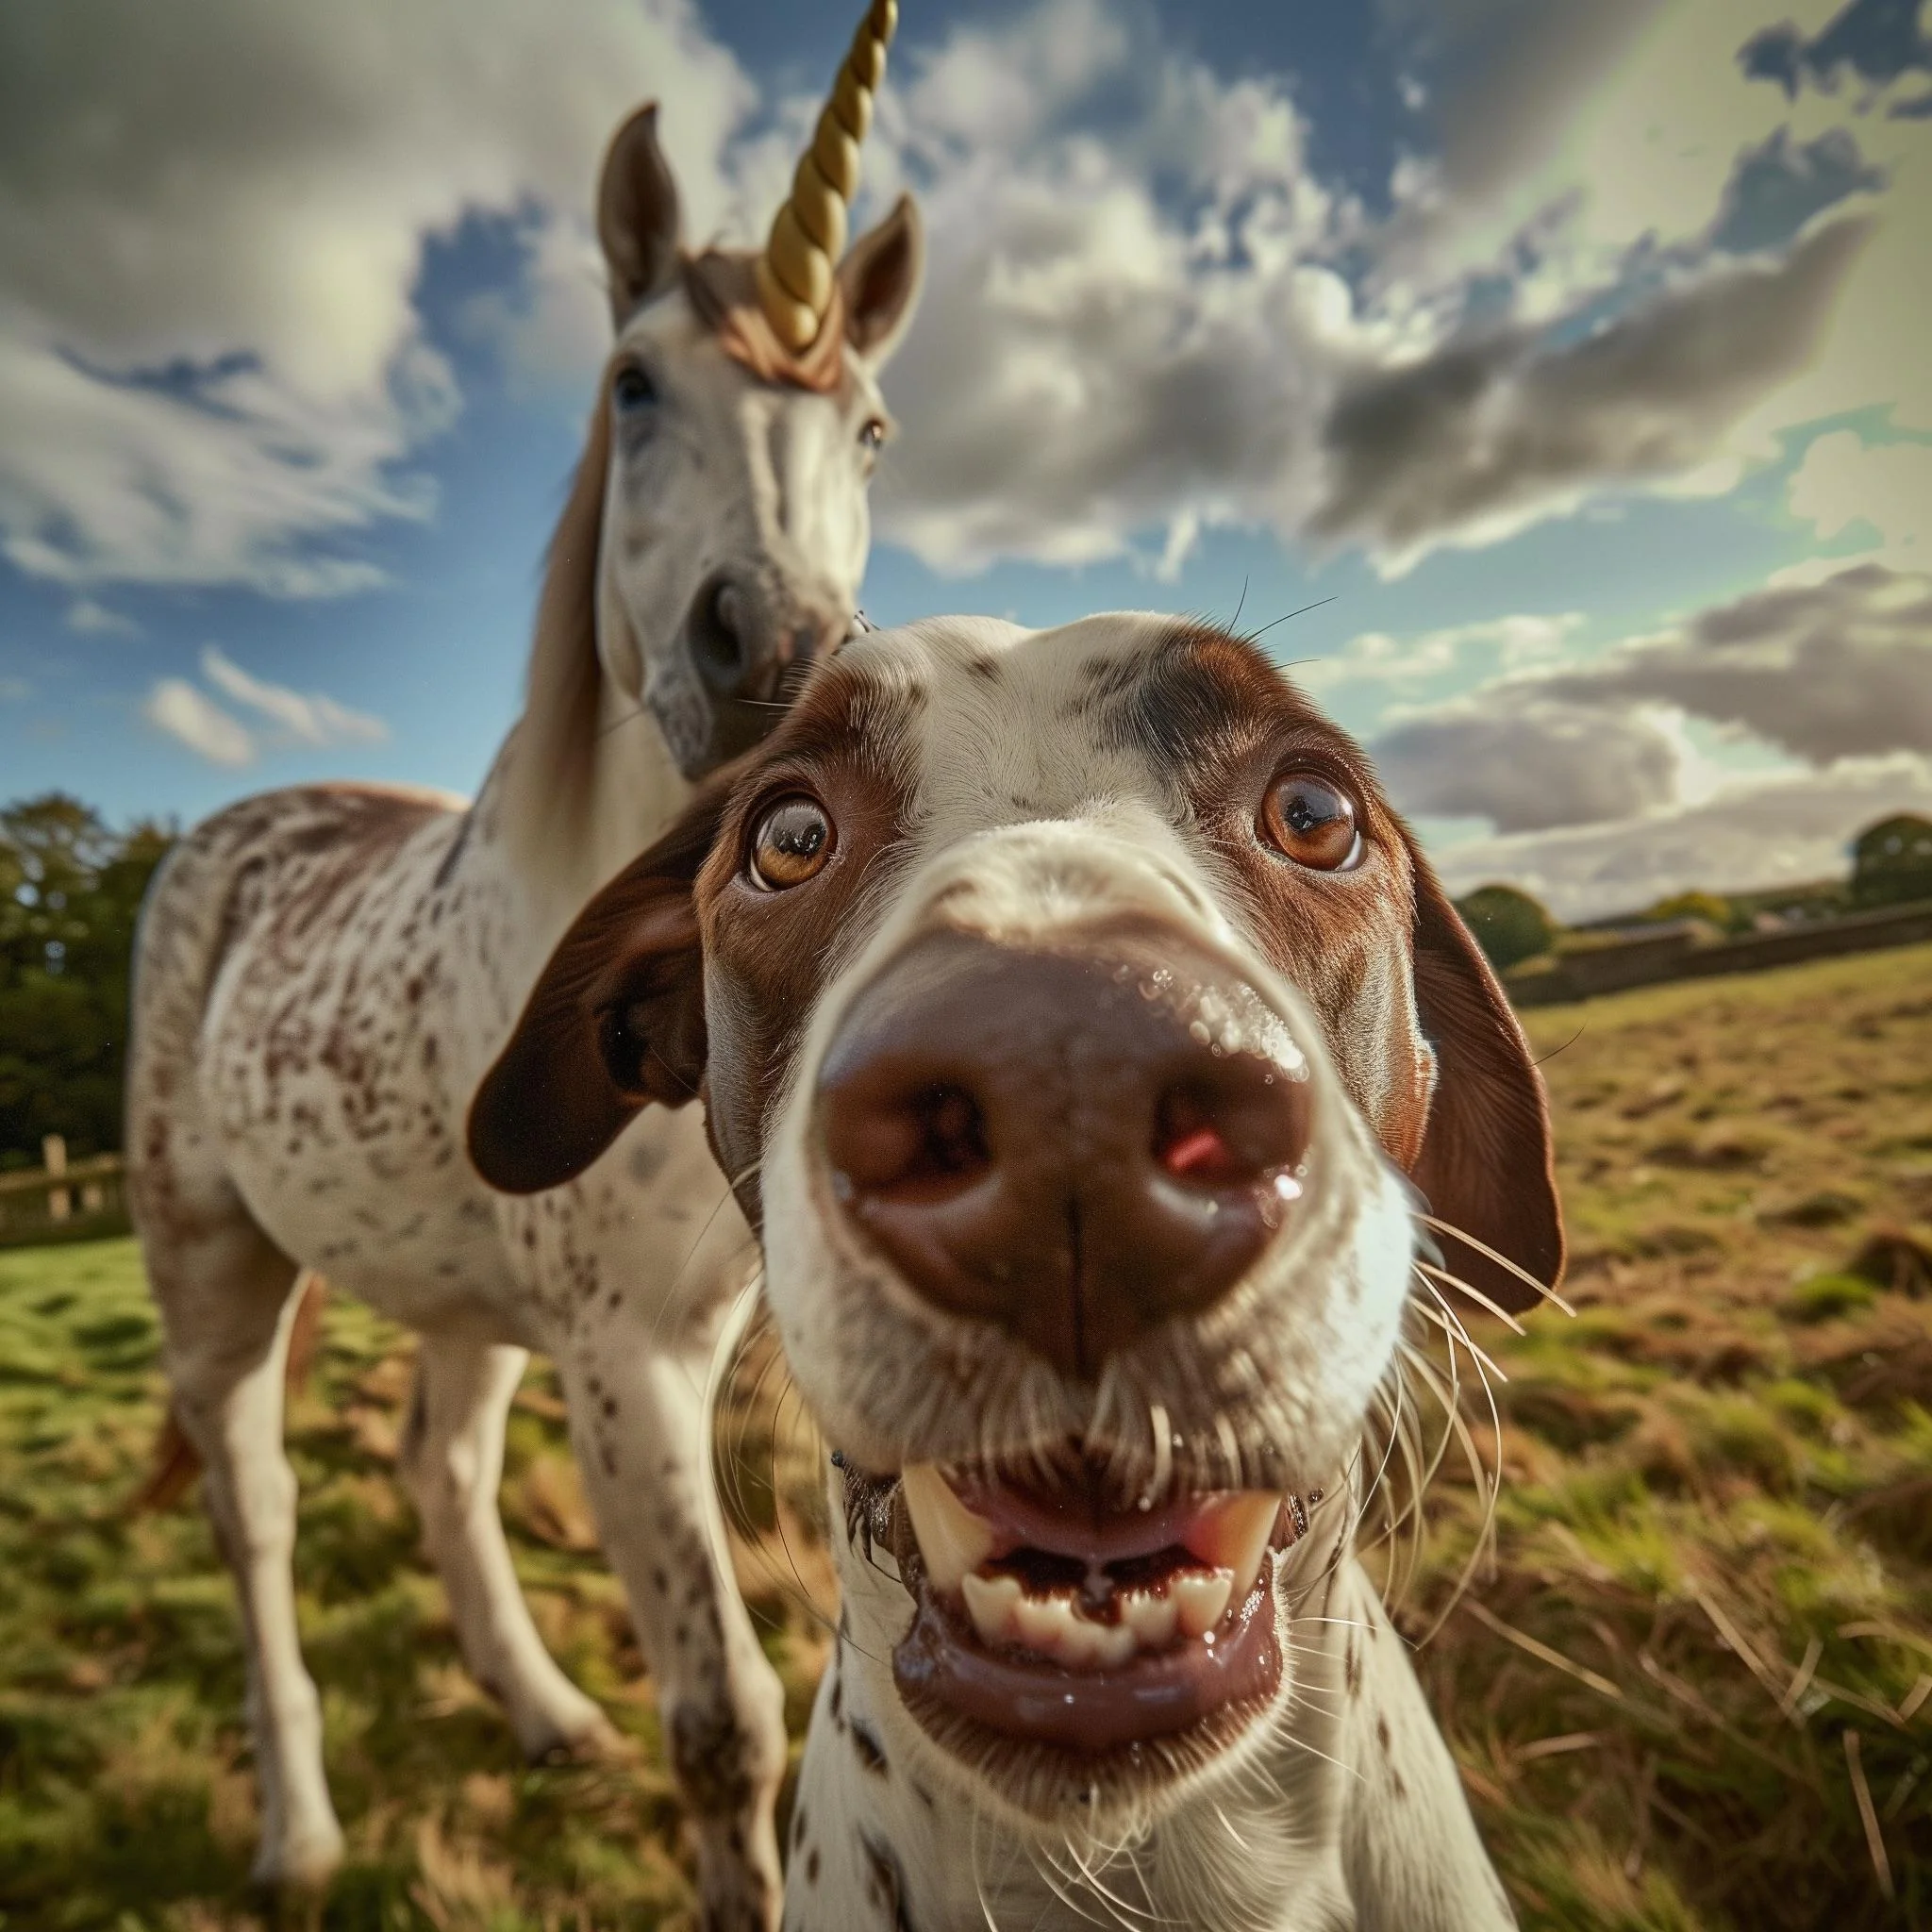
(1305, 819)
(872, 434)
(631, 389)
(790, 843)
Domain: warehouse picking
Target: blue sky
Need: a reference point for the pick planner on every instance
(1568, 358)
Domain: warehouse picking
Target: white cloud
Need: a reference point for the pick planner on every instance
(1833, 670)
(210, 356)
(1816, 703)
(309, 717)
(1844, 481)
(1148, 312)
(1756, 832)
(186, 712)
(175, 707)
(1819, 672)
(1375, 657)
(1138, 318)
(91, 617)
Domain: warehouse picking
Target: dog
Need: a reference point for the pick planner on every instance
(1078, 1024)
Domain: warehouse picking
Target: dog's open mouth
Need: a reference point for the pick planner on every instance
(1050, 1621)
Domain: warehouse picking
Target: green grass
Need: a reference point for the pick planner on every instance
(1719, 1488)
(1718, 1495)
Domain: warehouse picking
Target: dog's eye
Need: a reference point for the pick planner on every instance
(872, 434)
(790, 843)
(631, 389)
(1308, 819)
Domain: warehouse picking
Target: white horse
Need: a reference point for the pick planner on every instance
(325, 973)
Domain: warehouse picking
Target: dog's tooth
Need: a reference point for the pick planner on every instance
(1045, 1624)
(1232, 1533)
(990, 1601)
(1201, 1597)
(1112, 1644)
(952, 1538)
(1151, 1615)
(1080, 1641)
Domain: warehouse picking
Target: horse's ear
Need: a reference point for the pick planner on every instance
(615, 1022)
(636, 215)
(880, 278)
(1486, 1164)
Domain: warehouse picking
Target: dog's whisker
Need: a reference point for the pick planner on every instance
(1503, 1261)
(1476, 1294)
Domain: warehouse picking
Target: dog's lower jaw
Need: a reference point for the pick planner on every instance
(1338, 1807)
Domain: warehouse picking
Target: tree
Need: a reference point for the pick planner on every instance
(1891, 861)
(70, 892)
(1708, 907)
(1508, 926)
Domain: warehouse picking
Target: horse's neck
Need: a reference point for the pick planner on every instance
(545, 858)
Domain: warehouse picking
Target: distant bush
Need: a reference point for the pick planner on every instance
(1891, 861)
(70, 891)
(1710, 907)
(1508, 926)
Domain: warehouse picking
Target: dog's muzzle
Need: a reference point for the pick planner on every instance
(1075, 1142)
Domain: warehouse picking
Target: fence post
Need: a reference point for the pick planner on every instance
(54, 1151)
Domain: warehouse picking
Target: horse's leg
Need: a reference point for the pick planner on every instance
(638, 1421)
(228, 1299)
(452, 1461)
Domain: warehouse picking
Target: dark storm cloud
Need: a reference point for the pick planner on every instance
(1878, 40)
(1527, 761)
(1841, 669)
(1483, 430)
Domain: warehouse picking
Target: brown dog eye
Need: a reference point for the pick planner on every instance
(1309, 821)
(791, 844)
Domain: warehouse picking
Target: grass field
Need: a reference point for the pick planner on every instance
(1691, 1687)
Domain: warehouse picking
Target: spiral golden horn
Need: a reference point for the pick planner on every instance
(795, 273)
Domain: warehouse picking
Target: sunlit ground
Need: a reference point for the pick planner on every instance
(1695, 1689)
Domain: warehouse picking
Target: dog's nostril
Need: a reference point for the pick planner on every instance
(1247, 1126)
(1189, 1143)
(918, 1145)
(955, 1133)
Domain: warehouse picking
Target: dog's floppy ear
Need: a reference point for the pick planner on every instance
(615, 1022)
(1486, 1162)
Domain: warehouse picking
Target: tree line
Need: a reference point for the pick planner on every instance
(71, 888)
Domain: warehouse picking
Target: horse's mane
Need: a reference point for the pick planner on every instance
(560, 722)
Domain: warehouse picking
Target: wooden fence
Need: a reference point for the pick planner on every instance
(64, 1201)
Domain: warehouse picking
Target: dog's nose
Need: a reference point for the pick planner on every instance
(1076, 1146)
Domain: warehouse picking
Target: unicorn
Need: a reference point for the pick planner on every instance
(323, 974)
